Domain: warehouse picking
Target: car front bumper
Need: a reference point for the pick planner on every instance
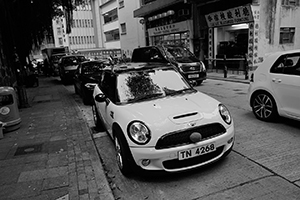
(168, 159)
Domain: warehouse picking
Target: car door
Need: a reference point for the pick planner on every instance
(77, 75)
(108, 87)
(285, 82)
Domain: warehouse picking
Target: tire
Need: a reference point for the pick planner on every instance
(97, 119)
(123, 156)
(76, 90)
(264, 106)
(199, 82)
(85, 98)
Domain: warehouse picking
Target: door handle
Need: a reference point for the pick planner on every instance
(276, 80)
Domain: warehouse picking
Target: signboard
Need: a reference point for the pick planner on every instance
(168, 29)
(238, 15)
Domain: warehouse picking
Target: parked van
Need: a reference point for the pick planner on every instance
(187, 63)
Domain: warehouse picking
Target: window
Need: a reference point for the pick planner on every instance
(290, 2)
(112, 35)
(123, 28)
(287, 64)
(121, 3)
(58, 31)
(60, 41)
(287, 35)
(108, 85)
(73, 40)
(91, 23)
(110, 16)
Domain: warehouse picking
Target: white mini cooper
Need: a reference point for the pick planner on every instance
(158, 121)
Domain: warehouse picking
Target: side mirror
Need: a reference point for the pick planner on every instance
(100, 98)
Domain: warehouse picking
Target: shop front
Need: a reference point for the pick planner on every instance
(231, 43)
(172, 34)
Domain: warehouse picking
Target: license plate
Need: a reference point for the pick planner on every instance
(197, 151)
(193, 76)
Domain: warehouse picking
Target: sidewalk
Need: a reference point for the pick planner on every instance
(240, 78)
(52, 155)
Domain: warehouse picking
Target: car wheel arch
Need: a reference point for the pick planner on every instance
(262, 91)
(131, 165)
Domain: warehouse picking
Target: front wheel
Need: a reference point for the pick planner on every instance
(264, 106)
(96, 117)
(123, 156)
(199, 82)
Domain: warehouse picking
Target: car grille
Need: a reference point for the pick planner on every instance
(177, 164)
(187, 68)
(183, 138)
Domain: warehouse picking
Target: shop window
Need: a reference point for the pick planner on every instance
(290, 2)
(110, 16)
(123, 28)
(112, 35)
(287, 35)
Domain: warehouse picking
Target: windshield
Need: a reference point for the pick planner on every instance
(92, 68)
(178, 52)
(149, 84)
(74, 60)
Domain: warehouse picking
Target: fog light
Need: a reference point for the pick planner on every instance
(145, 162)
(230, 140)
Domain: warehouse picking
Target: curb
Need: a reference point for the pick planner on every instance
(228, 79)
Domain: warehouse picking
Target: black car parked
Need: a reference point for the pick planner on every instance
(86, 77)
(67, 67)
(186, 62)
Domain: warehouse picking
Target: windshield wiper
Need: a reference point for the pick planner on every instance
(146, 97)
(181, 91)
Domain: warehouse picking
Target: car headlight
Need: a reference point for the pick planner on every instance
(139, 133)
(225, 114)
(90, 85)
(203, 66)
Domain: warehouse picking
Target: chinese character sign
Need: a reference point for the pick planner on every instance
(242, 14)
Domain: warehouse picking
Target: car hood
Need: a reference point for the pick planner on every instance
(94, 78)
(174, 113)
(187, 60)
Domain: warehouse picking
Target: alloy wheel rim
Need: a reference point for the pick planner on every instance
(118, 153)
(263, 106)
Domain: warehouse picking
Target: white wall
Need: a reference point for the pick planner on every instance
(135, 33)
(269, 31)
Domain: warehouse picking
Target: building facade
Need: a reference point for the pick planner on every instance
(167, 22)
(82, 35)
(235, 34)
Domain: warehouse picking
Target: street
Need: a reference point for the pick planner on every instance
(264, 163)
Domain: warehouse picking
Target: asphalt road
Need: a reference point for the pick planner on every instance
(264, 163)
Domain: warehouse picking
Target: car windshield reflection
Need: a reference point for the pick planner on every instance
(150, 84)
